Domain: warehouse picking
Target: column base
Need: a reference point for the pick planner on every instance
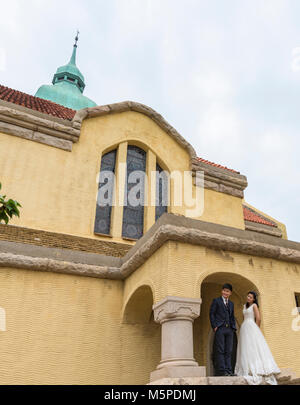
(178, 371)
(177, 362)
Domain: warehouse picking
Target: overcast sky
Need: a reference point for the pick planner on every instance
(224, 73)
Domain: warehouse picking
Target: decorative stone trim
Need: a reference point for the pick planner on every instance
(171, 308)
(217, 179)
(38, 127)
(57, 266)
(168, 227)
(137, 107)
(213, 240)
(262, 228)
(175, 307)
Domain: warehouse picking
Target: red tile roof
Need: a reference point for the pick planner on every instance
(36, 103)
(216, 165)
(252, 216)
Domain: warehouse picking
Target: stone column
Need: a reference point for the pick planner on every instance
(176, 316)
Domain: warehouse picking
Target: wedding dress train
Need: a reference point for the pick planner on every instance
(254, 359)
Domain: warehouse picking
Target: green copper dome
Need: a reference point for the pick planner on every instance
(68, 85)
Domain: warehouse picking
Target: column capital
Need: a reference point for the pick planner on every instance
(173, 308)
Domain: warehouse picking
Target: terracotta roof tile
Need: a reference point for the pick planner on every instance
(216, 165)
(253, 216)
(36, 103)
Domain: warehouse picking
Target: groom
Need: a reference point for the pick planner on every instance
(222, 321)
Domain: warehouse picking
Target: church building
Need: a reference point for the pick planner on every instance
(124, 238)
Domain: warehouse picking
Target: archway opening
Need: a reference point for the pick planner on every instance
(139, 306)
(141, 338)
(203, 335)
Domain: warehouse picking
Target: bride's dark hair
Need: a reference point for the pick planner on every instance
(255, 298)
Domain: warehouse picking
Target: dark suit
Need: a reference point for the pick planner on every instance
(223, 319)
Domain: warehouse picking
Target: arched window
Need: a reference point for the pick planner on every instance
(133, 212)
(105, 193)
(161, 203)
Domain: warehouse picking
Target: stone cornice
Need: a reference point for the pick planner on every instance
(217, 179)
(137, 107)
(57, 266)
(257, 227)
(35, 126)
(169, 227)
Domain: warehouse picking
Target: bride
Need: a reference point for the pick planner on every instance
(254, 359)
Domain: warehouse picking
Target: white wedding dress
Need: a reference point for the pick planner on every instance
(254, 360)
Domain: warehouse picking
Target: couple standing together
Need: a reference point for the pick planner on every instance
(254, 360)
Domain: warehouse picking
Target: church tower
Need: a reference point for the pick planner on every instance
(67, 86)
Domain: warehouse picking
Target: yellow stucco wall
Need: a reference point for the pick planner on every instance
(64, 329)
(58, 189)
(67, 329)
(60, 329)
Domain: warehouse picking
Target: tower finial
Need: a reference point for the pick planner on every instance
(73, 57)
(76, 39)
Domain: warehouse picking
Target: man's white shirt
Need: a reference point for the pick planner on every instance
(224, 300)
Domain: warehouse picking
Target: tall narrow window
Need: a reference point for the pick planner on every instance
(133, 213)
(161, 205)
(105, 193)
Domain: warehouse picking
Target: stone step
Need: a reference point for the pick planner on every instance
(200, 381)
(286, 377)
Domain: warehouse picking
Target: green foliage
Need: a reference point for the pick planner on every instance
(8, 208)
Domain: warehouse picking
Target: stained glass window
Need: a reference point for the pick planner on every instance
(133, 212)
(105, 193)
(161, 205)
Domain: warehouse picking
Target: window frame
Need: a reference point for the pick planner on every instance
(107, 152)
(134, 149)
(116, 220)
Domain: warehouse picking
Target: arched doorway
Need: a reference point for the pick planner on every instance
(140, 339)
(211, 288)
